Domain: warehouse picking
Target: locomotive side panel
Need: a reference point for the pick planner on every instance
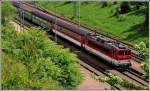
(70, 34)
(99, 48)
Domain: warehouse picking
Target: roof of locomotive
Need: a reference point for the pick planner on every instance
(107, 42)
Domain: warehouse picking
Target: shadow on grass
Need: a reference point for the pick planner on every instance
(63, 3)
(138, 12)
(140, 30)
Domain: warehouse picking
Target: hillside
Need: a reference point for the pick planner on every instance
(128, 27)
(30, 60)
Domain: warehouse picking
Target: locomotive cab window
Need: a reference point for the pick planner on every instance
(124, 52)
(121, 52)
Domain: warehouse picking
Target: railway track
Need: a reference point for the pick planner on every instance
(101, 67)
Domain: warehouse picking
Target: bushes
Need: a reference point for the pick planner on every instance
(46, 65)
(46, 62)
(16, 76)
(143, 53)
(14, 73)
(125, 7)
(114, 80)
(8, 11)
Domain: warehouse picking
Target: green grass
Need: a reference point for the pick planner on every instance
(130, 30)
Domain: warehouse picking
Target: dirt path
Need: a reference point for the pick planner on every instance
(137, 66)
(90, 84)
(17, 26)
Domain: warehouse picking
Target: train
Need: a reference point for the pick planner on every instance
(111, 51)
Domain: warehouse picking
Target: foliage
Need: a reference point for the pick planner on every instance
(16, 76)
(125, 7)
(147, 15)
(110, 2)
(14, 73)
(121, 17)
(104, 4)
(8, 11)
(49, 66)
(114, 80)
(143, 52)
(145, 67)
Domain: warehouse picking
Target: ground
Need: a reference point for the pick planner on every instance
(90, 84)
(16, 26)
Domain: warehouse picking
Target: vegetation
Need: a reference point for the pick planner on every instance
(8, 11)
(122, 20)
(44, 61)
(143, 52)
(32, 61)
(114, 80)
(16, 76)
(14, 73)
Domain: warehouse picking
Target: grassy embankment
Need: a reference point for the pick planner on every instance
(128, 28)
(30, 60)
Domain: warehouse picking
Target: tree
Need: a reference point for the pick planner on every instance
(145, 67)
(147, 14)
(104, 3)
(125, 7)
(143, 52)
(137, 5)
(114, 2)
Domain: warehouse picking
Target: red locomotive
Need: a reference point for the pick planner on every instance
(110, 50)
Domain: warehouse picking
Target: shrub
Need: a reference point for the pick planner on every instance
(143, 52)
(122, 17)
(43, 58)
(14, 73)
(114, 80)
(8, 11)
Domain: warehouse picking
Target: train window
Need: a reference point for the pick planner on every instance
(102, 41)
(129, 52)
(100, 47)
(126, 52)
(121, 52)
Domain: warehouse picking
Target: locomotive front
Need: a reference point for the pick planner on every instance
(123, 56)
